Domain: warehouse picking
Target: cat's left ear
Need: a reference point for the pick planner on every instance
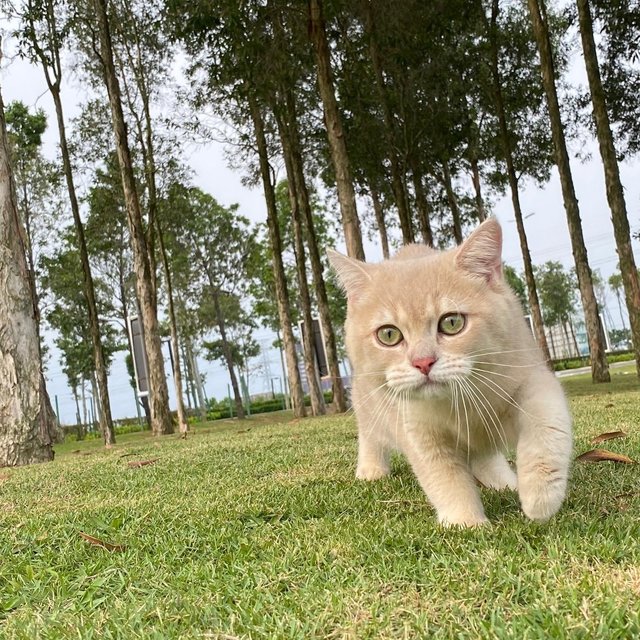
(481, 253)
(352, 274)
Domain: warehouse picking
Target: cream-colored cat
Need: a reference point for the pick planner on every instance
(446, 370)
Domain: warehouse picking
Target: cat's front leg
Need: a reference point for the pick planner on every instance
(445, 477)
(544, 447)
(373, 457)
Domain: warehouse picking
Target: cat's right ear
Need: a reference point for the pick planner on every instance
(352, 274)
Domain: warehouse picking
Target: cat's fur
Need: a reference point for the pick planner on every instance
(488, 390)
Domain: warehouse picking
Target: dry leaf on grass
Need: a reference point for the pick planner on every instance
(611, 435)
(142, 463)
(602, 455)
(4, 476)
(101, 543)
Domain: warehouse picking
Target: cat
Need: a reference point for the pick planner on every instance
(446, 370)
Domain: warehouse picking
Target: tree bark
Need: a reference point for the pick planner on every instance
(477, 188)
(315, 392)
(397, 183)
(453, 201)
(615, 192)
(422, 205)
(339, 397)
(158, 394)
(335, 133)
(52, 68)
(380, 221)
(282, 294)
(27, 421)
(505, 138)
(599, 364)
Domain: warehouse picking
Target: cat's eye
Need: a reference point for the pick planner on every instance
(451, 323)
(389, 335)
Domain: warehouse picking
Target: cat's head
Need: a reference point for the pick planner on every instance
(426, 318)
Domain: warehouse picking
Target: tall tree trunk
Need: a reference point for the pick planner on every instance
(335, 133)
(282, 294)
(183, 425)
(226, 350)
(397, 183)
(158, 394)
(27, 421)
(339, 397)
(422, 205)
(192, 359)
(477, 188)
(599, 364)
(380, 221)
(52, 68)
(615, 192)
(505, 138)
(315, 392)
(453, 201)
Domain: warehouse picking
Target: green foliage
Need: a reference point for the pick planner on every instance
(515, 281)
(557, 292)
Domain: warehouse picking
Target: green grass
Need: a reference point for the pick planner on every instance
(265, 533)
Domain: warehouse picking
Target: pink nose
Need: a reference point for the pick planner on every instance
(424, 364)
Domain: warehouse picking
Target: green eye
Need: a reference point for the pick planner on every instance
(389, 335)
(451, 324)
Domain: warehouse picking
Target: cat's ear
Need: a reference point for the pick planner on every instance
(481, 253)
(352, 274)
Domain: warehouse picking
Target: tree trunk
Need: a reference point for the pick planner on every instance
(422, 205)
(315, 392)
(599, 364)
(397, 183)
(532, 291)
(158, 394)
(453, 202)
(380, 221)
(183, 426)
(192, 359)
(335, 133)
(226, 350)
(339, 397)
(615, 192)
(282, 294)
(477, 188)
(27, 421)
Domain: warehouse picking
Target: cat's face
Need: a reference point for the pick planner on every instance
(424, 319)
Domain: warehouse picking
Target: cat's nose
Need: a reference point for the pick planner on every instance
(424, 364)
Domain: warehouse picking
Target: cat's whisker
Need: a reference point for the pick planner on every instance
(505, 364)
(495, 373)
(499, 391)
(489, 352)
(382, 408)
(463, 397)
(491, 412)
(473, 399)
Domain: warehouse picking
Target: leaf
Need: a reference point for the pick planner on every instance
(611, 435)
(136, 464)
(602, 455)
(4, 476)
(101, 543)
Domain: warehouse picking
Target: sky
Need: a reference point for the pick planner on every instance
(545, 223)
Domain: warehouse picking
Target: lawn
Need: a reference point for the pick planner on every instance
(259, 530)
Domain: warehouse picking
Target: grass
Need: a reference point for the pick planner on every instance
(261, 531)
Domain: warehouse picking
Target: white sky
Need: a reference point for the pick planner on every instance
(546, 226)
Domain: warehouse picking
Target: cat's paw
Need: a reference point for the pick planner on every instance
(370, 472)
(541, 500)
(464, 522)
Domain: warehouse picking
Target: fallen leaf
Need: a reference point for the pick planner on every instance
(244, 430)
(77, 451)
(4, 476)
(602, 455)
(126, 455)
(101, 543)
(141, 463)
(610, 405)
(611, 435)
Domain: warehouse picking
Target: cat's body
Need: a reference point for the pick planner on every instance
(446, 370)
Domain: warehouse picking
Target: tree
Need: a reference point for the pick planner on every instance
(615, 282)
(615, 192)
(335, 133)
(27, 422)
(159, 397)
(42, 38)
(599, 364)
